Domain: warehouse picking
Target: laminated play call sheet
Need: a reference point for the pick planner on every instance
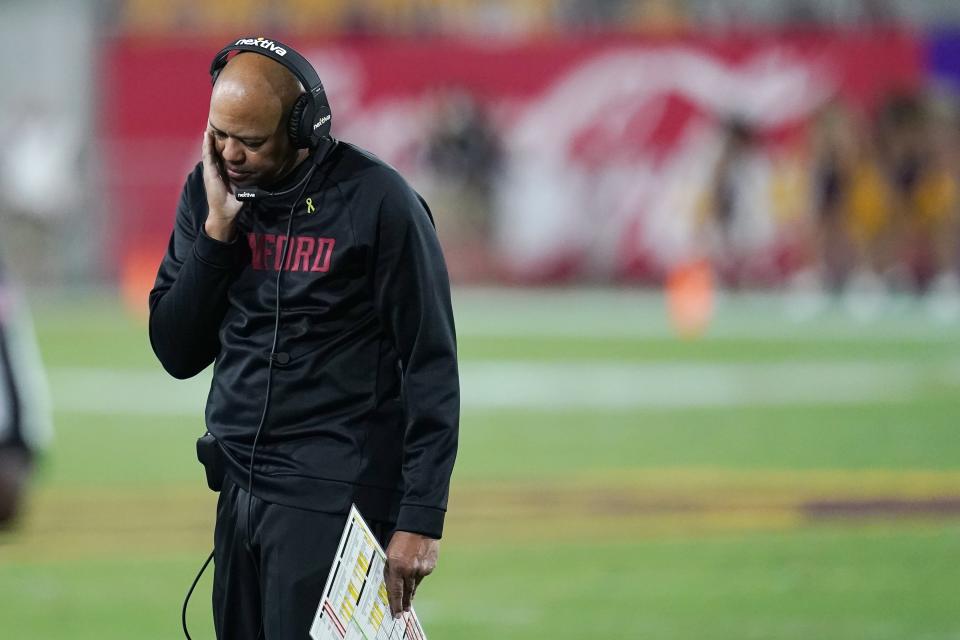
(354, 603)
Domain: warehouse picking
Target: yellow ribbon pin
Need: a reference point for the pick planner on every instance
(310, 207)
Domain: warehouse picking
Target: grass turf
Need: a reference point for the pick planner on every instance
(121, 520)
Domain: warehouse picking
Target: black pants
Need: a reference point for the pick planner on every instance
(268, 587)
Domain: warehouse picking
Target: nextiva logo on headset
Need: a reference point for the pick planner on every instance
(263, 43)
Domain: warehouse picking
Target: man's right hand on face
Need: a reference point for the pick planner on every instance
(223, 207)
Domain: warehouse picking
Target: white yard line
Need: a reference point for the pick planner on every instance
(560, 386)
(635, 313)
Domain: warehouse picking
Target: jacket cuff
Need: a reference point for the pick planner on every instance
(215, 253)
(427, 521)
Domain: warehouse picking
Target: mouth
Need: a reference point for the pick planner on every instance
(238, 176)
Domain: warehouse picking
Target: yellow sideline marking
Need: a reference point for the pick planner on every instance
(606, 505)
(743, 485)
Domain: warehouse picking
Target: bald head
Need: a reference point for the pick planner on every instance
(249, 110)
(258, 80)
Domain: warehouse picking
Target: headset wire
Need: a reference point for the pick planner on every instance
(266, 400)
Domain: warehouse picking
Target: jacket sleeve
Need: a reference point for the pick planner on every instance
(412, 294)
(189, 298)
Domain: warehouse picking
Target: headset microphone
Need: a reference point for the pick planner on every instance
(247, 195)
(251, 194)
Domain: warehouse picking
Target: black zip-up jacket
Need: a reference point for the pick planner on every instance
(365, 393)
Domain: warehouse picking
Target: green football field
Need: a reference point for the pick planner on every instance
(775, 479)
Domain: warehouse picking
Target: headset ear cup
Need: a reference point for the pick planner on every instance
(300, 122)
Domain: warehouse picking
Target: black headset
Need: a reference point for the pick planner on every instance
(310, 117)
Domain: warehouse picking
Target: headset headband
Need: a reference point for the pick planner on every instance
(296, 63)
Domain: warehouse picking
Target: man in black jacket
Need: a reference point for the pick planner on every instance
(331, 301)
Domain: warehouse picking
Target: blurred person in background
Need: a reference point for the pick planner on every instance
(43, 155)
(901, 132)
(25, 416)
(938, 200)
(349, 366)
(852, 208)
(837, 144)
(886, 201)
(464, 157)
(738, 227)
(919, 142)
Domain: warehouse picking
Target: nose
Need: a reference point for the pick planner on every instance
(233, 152)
